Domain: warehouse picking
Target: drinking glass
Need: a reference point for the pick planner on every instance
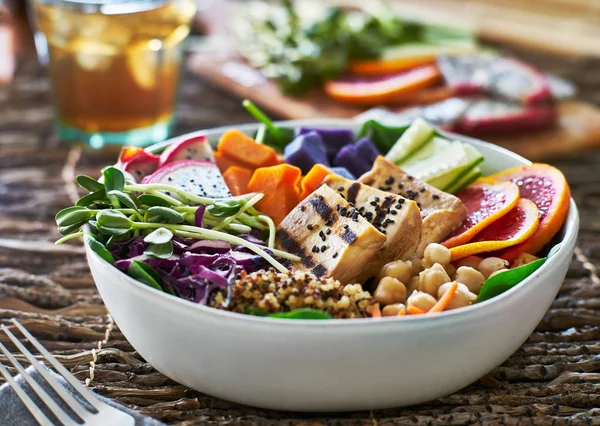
(114, 66)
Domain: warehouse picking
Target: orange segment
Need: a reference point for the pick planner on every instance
(547, 187)
(511, 229)
(486, 201)
(382, 90)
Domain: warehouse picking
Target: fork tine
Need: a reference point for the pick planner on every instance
(29, 404)
(85, 393)
(58, 388)
(47, 399)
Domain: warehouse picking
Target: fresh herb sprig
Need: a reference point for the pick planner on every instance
(117, 208)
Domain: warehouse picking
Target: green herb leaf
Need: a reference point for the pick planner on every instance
(258, 312)
(144, 273)
(125, 199)
(66, 230)
(167, 214)
(162, 251)
(98, 248)
(384, 137)
(113, 179)
(276, 137)
(111, 231)
(88, 183)
(159, 236)
(91, 198)
(58, 217)
(305, 313)
(506, 280)
(113, 219)
(75, 217)
(153, 200)
(222, 208)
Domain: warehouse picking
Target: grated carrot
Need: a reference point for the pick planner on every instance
(413, 310)
(442, 304)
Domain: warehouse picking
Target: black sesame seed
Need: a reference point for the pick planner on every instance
(328, 231)
(419, 205)
(394, 212)
(302, 208)
(346, 226)
(409, 177)
(323, 248)
(169, 178)
(422, 189)
(376, 199)
(373, 203)
(322, 235)
(435, 197)
(400, 185)
(335, 255)
(309, 227)
(337, 207)
(341, 189)
(385, 188)
(389, 181)
(343, 211)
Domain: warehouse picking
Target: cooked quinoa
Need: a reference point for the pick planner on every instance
(274, 291)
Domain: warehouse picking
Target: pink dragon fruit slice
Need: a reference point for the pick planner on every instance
(489, 117)
(196, 148)
(201, 178)
(506, 78)
(137, 162)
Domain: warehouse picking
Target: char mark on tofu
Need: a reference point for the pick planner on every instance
(329, 235)
(441, 212)
(353, 192)
(292, 246)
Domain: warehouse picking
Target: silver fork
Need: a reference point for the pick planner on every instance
(103, 413)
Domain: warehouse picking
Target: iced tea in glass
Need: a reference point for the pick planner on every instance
(114, 66)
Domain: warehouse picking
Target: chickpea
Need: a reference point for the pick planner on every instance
(523, 259)
(470, 277)
(436, 253)
(401, 270)
(431, 279)
(490, 265)
(462, 296)
(416, 265)
(450, 270)
(390, 291)
(421, 300)
(471, 261)
(413, 285)
(393, 310)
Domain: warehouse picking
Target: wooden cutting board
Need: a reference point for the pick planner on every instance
(216, 60)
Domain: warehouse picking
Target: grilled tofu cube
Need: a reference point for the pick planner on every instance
(329, 243)
(394, 216)
(441, 212)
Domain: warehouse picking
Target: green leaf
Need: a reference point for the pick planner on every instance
(113, 179)
(305, 313)
(258, 312)
(162, 251)
(384, 137)
(66, 211)
(153, 200)
(272, 135)
(113, 219)
(66, 230)
(89, 199)
(111, 231)
(98, 248)
(222, 208)
(144, 273)
(76, 216)
(89, 183)
(123, 198)
(159, 236)
(506, 280)
(167, 214)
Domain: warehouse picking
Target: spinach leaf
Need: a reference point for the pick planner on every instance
(98, 248)
(144, 273)
(304, 313)
(258, 312)
(384, 137)
(506, 280)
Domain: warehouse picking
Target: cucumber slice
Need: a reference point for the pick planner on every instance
(446, 181)
(432, 147)
(466, 180)
(411, 140)
(444, 162)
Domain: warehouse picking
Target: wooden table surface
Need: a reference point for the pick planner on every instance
(554, 378)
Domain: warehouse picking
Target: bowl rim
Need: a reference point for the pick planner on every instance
(571, 228)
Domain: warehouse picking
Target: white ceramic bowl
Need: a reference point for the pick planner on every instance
(336, 365)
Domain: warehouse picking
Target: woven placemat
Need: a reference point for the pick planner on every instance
(554, 378)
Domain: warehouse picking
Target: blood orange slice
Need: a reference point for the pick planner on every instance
(547, 187)
(382, 90)
(486, 201)
(511, 229)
